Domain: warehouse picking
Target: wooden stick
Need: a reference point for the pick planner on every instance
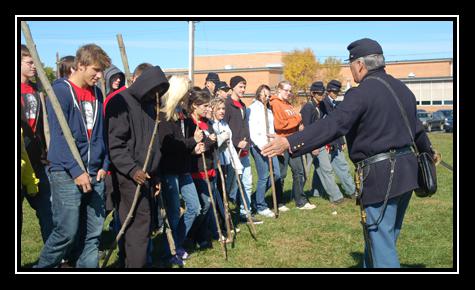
(271, 166)
(168, 229)
(123, 55)
(227, 216)
(102, 83)
(49, 90)
(248, 213)
(220, 234)
(45, 121)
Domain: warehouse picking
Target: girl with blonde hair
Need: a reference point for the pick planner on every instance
(178, 144)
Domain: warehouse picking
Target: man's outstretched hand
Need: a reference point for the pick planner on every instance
(276, 146)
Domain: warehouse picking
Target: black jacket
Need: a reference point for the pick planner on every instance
(130, 119)
(176, 149)
(237, 122)
(310, 113)
(35, 142)
(372, 123)
(210, 146)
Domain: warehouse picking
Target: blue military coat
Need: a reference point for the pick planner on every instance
(372, 122)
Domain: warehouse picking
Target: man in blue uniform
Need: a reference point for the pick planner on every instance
(379, 145)
(336, 148)
(212, 79)
(323, 181)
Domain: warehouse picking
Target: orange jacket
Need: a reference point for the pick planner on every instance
(286, 119)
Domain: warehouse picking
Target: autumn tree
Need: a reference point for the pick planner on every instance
(330, 70)
(50, 74)
(300, 68)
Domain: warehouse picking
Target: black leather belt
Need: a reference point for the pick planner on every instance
(383, 156)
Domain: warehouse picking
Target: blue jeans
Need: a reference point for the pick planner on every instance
(41, 203)
(246, 181)
(264, 181)
(172, 185)
(384, 236)
(76, 215)
(218, 201)
(298, 177)
(323, 174)
(202, 222)
(342, 170)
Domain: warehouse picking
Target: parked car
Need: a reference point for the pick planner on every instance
(449, 124)
(446, 113)
(431, 122)
(438, 120)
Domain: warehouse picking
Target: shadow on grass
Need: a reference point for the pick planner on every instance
(107, 239)
(287, 198)
(29, 265)
(358, 259)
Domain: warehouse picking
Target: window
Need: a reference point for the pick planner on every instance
(425, 102)
(448, 102)
(418, 103)
(436, 102)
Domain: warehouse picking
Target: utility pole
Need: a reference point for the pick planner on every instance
(57, 65)
(191, 50)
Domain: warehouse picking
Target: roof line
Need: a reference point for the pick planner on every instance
(226, 70)
(244, 53)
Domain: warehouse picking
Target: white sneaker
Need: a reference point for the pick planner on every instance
(267, 213)
(283, 208)
(308, 206)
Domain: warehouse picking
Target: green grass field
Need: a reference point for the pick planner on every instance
(315, 238)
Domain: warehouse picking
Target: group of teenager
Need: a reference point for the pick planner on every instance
(199, 130)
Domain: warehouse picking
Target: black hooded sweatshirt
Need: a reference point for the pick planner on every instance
(238, 122)
(130, 119)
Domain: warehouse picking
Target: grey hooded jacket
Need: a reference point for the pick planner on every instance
(108, 74)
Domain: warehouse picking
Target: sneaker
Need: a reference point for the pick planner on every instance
(339, 201)
(237, 230)
(308, 206)
(283, 208)
(254, 220)
(175, 260)
(267, 213)
(182, 254)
